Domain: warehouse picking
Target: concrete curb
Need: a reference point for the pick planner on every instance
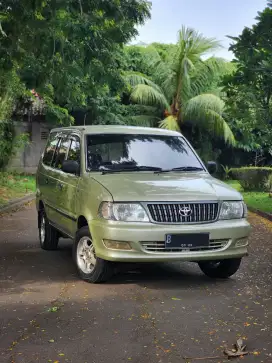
(260, 213)
(16, 203)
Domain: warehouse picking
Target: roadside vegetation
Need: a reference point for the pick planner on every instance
(14, 186)
(256, 200)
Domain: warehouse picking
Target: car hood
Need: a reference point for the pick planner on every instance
(138, 186)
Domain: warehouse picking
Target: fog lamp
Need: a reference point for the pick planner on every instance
(117, 245)
(242, 242)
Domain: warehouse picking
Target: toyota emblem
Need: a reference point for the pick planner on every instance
(185, 211)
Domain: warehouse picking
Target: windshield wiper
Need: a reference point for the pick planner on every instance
(132, 168)
(181, 168)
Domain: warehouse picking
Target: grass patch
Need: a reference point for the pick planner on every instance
(257, 200)
(15, 186)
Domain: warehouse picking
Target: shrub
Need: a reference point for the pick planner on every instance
(253, 178)
(227, 172)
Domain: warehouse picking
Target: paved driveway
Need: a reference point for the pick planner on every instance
(154, 313)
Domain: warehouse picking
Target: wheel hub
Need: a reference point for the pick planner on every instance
(86, 258)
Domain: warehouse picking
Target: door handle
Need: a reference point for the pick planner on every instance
(60, 186)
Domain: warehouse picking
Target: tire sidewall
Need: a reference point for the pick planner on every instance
(42, 216)
(224, 270)
(82, 232)
(102, 270)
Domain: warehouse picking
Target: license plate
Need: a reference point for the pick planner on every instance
(187, 241)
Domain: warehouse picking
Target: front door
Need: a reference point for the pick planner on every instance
(66, 185)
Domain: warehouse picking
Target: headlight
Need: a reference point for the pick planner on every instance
(123, 212)
(232, 210)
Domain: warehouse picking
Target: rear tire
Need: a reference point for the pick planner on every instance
(90, 268)
(220, 269)
(48, 235)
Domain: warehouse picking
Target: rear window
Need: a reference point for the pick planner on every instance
(50, 149)
(62, 152)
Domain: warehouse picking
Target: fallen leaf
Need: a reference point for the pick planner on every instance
(51, 341)
(239, 350)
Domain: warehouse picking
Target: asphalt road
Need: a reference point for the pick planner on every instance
(152, 313)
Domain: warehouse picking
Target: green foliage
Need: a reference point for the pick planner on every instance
(256, 200)
(227, 172)
(249, 89)
(13, 185)
(253, 178)
(269, 183)
(177, 81)
(69, 50)
(9, 142)
(10, 88)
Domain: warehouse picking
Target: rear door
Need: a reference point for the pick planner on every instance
(66, 184)
(46, 176)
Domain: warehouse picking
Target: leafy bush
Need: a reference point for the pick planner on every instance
(9, 142)
(227, 172)
(253, 178)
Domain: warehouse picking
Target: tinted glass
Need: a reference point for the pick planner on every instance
(50, 149)
(115, 151)
(61, 152)
(74, 151)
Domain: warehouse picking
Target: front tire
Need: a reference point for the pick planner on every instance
(220, 269)
(90, 267)
(48, 235)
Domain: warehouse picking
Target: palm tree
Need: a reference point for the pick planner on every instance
(185, 85)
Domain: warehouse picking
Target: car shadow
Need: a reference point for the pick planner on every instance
(165, 276)
(23, 265)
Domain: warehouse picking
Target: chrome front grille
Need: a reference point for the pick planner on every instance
(183, 212)
(160, 247)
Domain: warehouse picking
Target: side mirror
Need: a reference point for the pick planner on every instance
(70, 167)
(212, 167)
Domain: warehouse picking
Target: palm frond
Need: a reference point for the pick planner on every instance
(144, 120)
(170, 123)
(195, 44)
(136, 78)
(148, 95)
(199, 105)
(207, 74)
(216, 124)
(206, 112)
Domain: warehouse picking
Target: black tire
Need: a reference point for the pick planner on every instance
(50, 239)
(220, 269)
(102, 269)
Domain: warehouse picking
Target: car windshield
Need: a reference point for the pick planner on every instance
(127, 152)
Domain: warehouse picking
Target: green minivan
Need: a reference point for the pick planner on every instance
(136, 194)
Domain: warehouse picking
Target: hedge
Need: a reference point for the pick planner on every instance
(254, 178)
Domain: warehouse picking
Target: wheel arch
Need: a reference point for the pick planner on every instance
(82, 222)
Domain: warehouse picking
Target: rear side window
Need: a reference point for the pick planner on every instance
(74, 152)
(62, 152)
(50, 149)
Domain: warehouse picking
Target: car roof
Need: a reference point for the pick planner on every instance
(113, 129)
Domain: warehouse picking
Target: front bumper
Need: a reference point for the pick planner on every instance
(232, 231)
